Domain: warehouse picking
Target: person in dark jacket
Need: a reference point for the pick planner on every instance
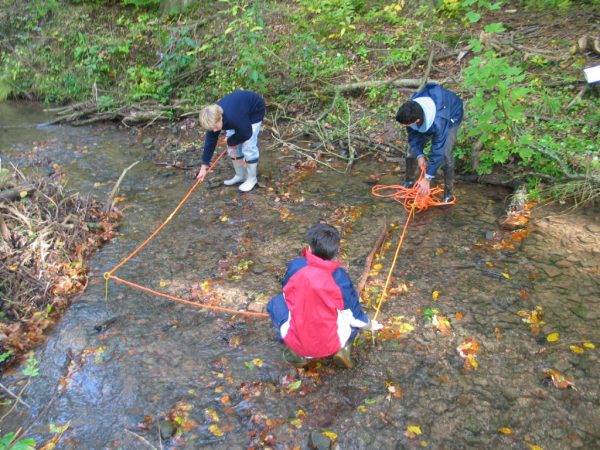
(319, 314)
(240, 114)
(433, 114)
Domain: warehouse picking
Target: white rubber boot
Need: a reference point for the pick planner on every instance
(240, 173)
(251, 179)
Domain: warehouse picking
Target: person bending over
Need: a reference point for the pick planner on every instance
(432, 114)
(240, 115)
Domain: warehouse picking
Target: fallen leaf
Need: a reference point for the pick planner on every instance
(505, 430)
(412, 431)
(505, 275)
(216, 430)
(533, 446)
(377, 266)
(329, 434)
(458, 315)
(435, 295)
(163, 283)
(295, 385)
(576, 349)
(553, 337)
(257, 362)
(441, 324)
(23, 194)
(560, 381)
(589, 345)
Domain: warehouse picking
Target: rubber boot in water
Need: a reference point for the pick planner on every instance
(240, 173)
(294, 359)
(251, 179)
(409, 174)
(343, 358)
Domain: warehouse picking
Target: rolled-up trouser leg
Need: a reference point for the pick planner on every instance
(448, 168)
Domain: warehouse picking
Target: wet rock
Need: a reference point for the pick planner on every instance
(317, 441)
(257, 306)
(166, 429)
(510, 393)
(551, 271)
(563, 264)
(593, 227)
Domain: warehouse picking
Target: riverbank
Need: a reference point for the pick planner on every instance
(47, 236)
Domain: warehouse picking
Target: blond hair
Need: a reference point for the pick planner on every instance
(209, 116)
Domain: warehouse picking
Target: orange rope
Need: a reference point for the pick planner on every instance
(167, 220)
(412, 200)
(410, 197)
(188, 302)
(108, 275)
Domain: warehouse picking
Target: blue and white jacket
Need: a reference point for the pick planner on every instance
(443, 110)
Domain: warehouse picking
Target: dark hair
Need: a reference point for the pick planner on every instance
(409, 112)
(324, 240)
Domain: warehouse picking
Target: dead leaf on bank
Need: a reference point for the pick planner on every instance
(553, 337)
(505, 430)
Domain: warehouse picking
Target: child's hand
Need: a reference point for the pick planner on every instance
(202, 172)
(373, 325)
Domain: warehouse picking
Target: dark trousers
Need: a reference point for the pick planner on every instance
(447, 168)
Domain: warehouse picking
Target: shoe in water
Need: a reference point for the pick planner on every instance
(343, 358)
(294, 359)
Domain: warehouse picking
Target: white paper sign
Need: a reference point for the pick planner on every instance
(592, 74)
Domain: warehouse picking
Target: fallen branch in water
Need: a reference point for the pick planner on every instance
(369, 261)
(110, 201)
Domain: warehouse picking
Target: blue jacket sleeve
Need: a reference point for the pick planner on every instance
(350, 295)
(416, 142)
(294, 266)
(210, 143)
(243, 132)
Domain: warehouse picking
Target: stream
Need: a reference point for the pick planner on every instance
(136, 371)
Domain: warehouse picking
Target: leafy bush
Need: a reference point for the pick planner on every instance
(498, 95)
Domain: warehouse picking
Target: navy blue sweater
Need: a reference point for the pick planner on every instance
(240, 110)
(449, 114)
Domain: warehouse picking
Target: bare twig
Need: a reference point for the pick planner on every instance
(16, 397)
(109, 203)
(141, 438)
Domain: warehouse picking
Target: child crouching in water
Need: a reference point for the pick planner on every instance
(319, 314)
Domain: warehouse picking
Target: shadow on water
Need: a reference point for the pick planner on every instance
(124, 372)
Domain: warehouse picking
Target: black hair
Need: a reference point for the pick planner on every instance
(409, 112)
(324, 240)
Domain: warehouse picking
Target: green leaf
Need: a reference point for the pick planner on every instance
(295, 385)
(495, 27)
(473, 17)
(4, 356)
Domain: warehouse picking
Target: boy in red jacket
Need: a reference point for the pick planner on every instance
(319, 314)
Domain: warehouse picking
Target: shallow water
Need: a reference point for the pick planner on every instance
(153, 359)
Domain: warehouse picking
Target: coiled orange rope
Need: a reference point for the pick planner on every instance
(412, 200)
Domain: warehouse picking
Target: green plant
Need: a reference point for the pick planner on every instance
(247, 32)
(8, 442)
(31, 368)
